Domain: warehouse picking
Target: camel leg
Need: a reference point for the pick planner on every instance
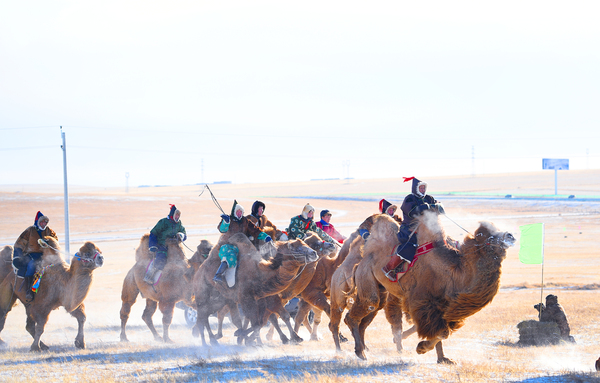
(334, 323)
(302, 316)
(79, 314)
(5, 307)
(314, 331)
(440, 354)
(271, 331)
(221, 317)
(285, 316)
(40, 320)
(147, 317)
(166, 308)
(361, 311)
(275, 325)
(236, 318)
(393, 314)
(409, 332)
(128, 296)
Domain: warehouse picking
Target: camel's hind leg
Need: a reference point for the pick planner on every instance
(128, 296)
(334, 322)
(220, 318)
(275, 326)
(147, 317)
(166, 308)
(79, 314)
(393, 313)
(7, 301)
(39, 320)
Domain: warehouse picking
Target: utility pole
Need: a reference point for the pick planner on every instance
(473, 161)
(66, 197)
(127, 182)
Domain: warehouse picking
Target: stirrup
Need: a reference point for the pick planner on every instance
(391, 275)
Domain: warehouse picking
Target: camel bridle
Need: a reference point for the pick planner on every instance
(87, 260)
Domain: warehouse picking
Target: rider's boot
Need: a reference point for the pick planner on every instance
(220, 272)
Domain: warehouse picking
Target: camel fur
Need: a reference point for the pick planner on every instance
(61, 285)
(442, 289)
(173, 286)
(256, 279)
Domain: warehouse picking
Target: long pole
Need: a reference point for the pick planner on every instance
(66, 196)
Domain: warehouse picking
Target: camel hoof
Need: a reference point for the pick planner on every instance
(43, 346)
(297, 340)
(80, 344)
(169, 341)
(343, 338)
(444, 360)
(218, 336)
(361, 355)
(158, 338)
(240, 340)
(423, 347)
(285, 340)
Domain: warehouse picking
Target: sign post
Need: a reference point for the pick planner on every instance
(556, 164)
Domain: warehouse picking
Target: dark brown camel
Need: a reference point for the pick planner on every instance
(60, 285)
(442, 289)
(256, 279)
(174, 285)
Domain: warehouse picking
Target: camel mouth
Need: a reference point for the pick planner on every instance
(312, 256)
(508, 240)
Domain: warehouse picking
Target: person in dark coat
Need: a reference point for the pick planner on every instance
(257, 217)
(414, 204)
(553, 312)
(169, 227)
(27, 250)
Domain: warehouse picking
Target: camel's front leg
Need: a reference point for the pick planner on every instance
(166, 308)
(128, 296)
(440, 354)
(79, 314)
(334, 323)
(147, 317)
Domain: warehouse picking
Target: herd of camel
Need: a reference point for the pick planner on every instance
(441, 289)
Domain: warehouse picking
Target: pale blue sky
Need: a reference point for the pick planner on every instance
(262, 91)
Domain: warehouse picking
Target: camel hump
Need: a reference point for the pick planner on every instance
(245, 247)
(142, 252)
(6, 253)
(174, 250)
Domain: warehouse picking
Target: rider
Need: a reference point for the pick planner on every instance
(28, 251)
(169, 227)
(328, 228)
(258, 218)
(302, 223)
(385, 207)
(414, 204)
(237, 223)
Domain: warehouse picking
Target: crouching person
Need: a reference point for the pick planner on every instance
(169, 227)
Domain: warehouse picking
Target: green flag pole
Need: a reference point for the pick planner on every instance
(532, 250)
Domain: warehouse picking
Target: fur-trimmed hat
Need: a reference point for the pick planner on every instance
(40, 217)
(172, 213)
(415, 186)
(384, 205)
(235, 208)
(306, 209)
(255, 207)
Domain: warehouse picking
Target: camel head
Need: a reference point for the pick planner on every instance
(202, 252)
(488, 235)
(297, 249)
(322, 248)
(89, 256)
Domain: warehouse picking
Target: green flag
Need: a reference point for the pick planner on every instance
(532, 244)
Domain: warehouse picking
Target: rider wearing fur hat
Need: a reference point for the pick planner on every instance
(413, 205)
(232, 224)
(169, 227)
(302, 223)
(27, 250)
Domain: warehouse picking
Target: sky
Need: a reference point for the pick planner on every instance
(189, 92)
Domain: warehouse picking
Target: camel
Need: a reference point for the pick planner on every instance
(275, 304)
(442, 289)
(256, 278)
(343, 288)
(172, 286)
(60, 285)
(6, 255)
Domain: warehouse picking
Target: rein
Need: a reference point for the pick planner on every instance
(451, 220)
(214, 199)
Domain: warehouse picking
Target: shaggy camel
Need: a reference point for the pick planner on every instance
(6, 255)
(442, 289)
(60, 285)
(316, 294)
(172, 286)
(275, 304)
(256, 278)
(343, 288)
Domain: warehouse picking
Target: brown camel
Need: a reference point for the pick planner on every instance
(256, 278)
(6, 255)
(60, 285)
(316, 294)
(172, 286)
(442, 289)
(275, 304)
(343, 288)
